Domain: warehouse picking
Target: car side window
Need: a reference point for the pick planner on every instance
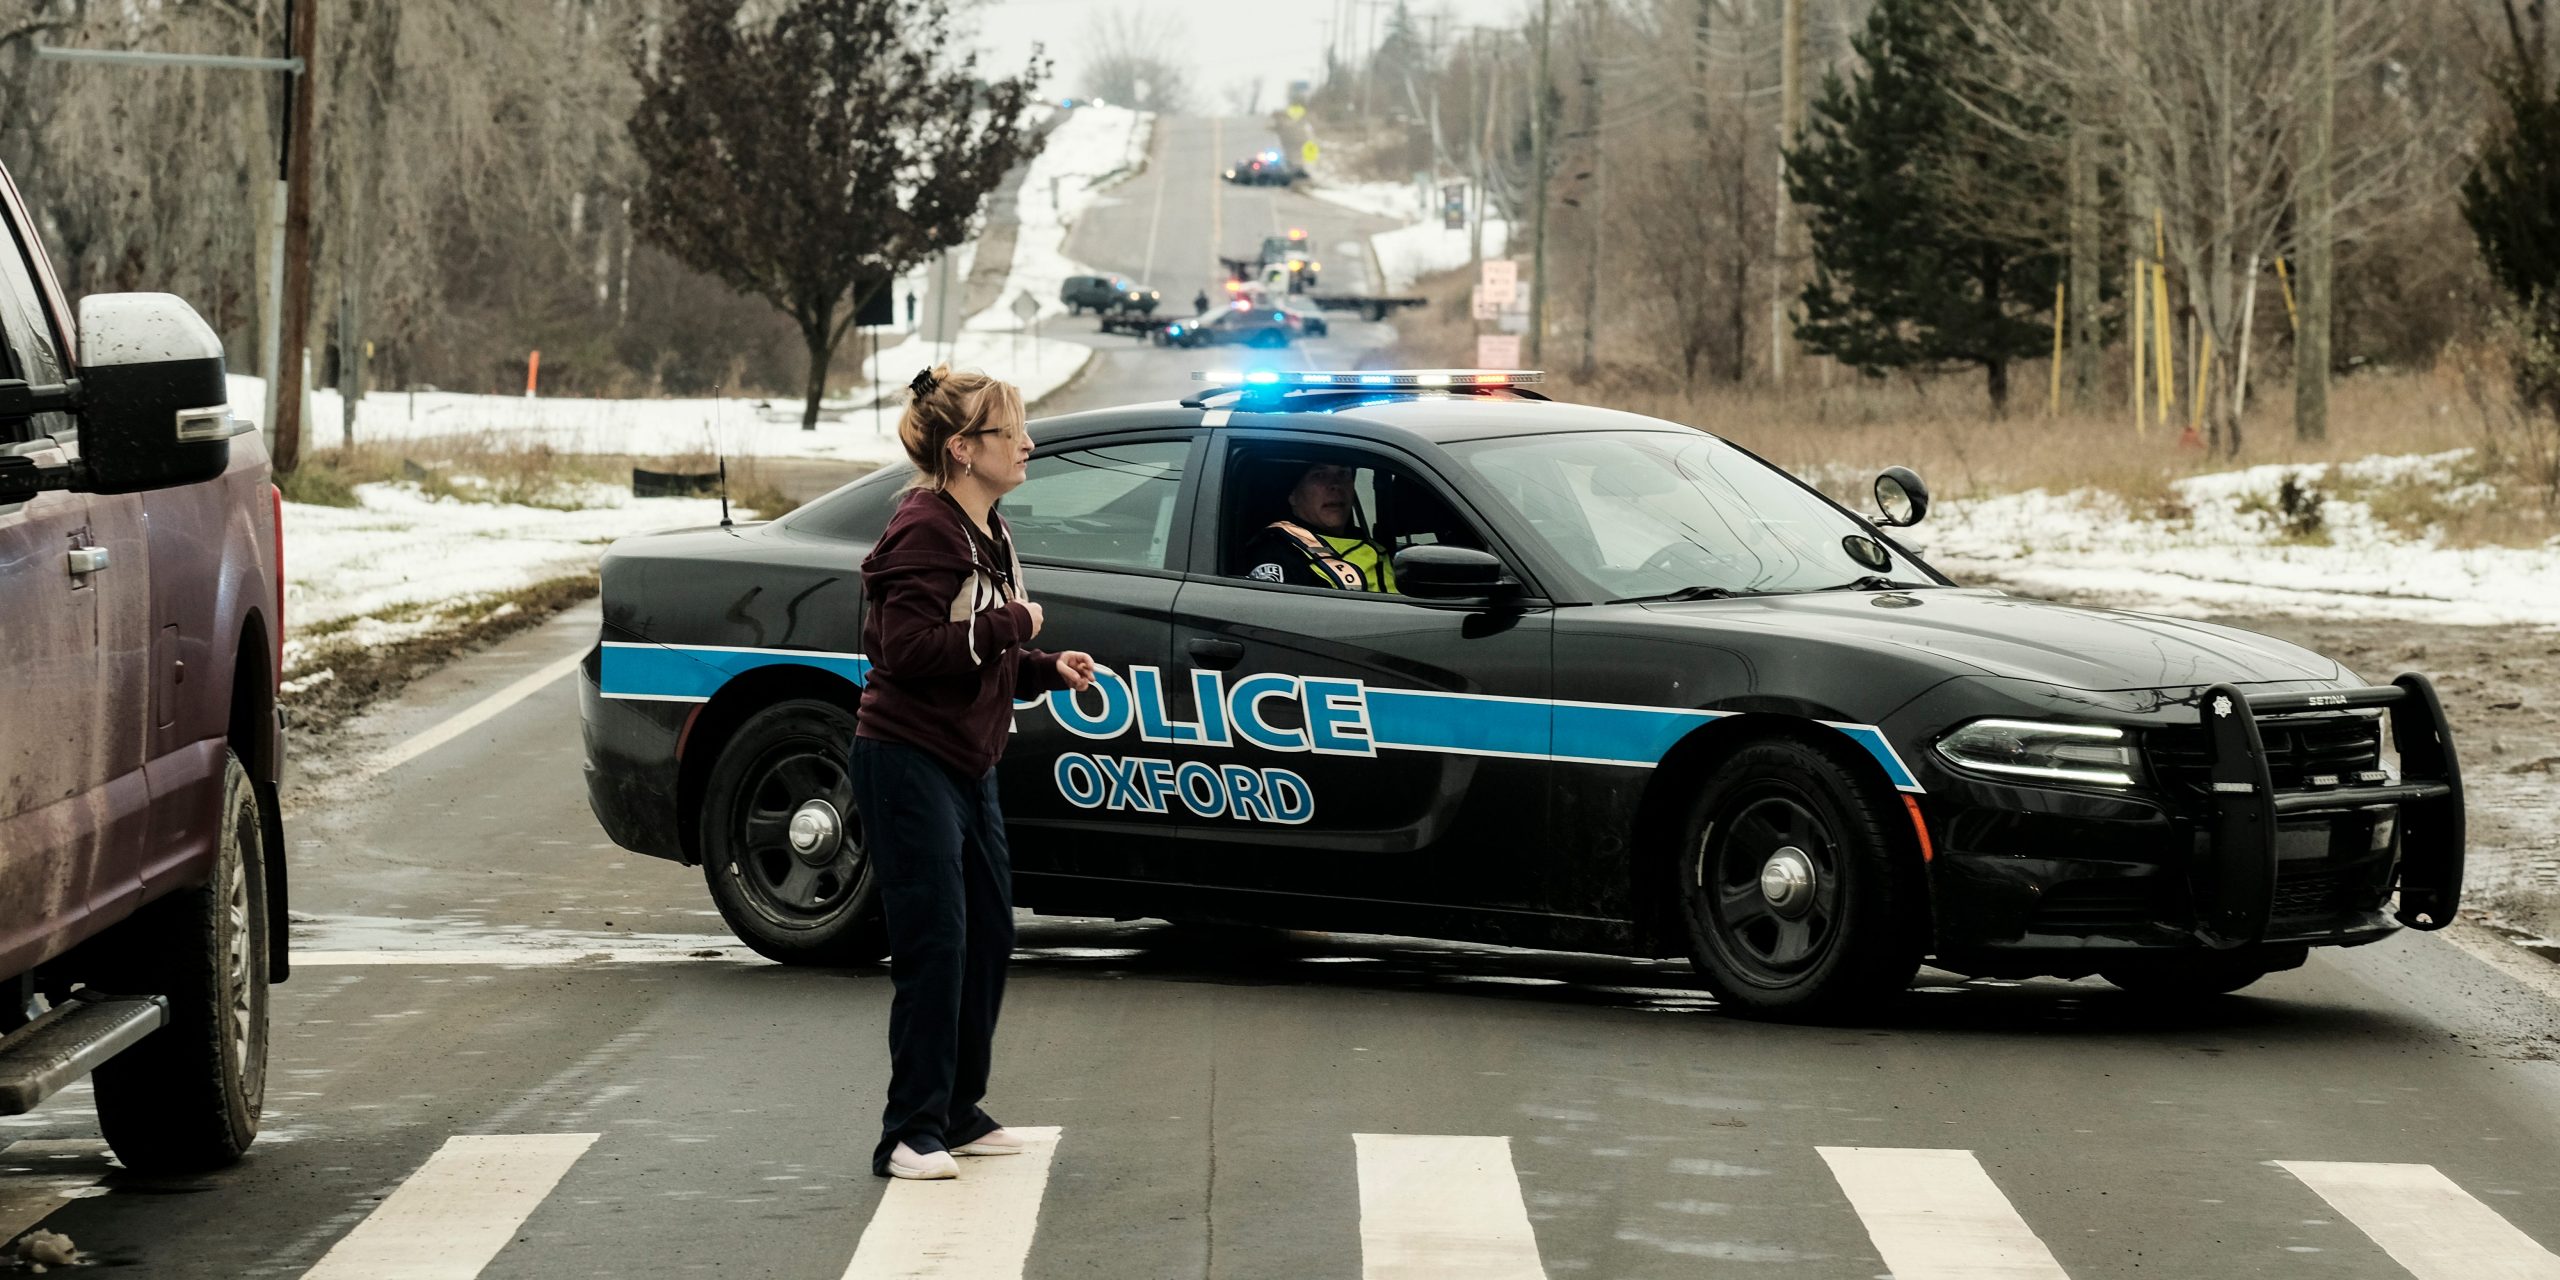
(857, 512)
(26, 345)
(1391, 506)
(1109, 505)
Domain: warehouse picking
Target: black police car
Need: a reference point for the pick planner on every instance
(1642, 693)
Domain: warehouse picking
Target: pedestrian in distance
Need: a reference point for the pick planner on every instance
(911, 311)
(948, 630)
(1200, 303)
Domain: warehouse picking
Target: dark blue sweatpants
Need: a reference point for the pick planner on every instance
(937, 850)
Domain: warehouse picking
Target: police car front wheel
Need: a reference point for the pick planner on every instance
(782, 840)
(1797, 898)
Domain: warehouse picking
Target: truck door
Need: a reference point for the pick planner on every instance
(59, 796)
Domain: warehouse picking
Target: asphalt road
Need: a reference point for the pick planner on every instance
(1167, 227)
(512, 1050)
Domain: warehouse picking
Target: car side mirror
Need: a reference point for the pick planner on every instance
(1452, 573)
(156, 408)
(1901, 497)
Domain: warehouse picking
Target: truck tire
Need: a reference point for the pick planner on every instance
(1796, 898)
(189, 1096)
(782, 841)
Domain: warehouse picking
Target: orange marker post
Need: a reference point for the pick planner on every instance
(532, 372)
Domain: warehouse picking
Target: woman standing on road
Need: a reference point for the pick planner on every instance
(947, 631)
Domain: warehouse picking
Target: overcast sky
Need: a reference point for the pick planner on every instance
(1222, 42)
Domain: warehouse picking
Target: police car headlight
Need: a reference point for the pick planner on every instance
(2046, 749)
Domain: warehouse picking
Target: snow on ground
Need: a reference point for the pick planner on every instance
(1407, 254)
(1402, 201)
(1092, 149)
(1091, 146)
(400, 563)
(2231, 552)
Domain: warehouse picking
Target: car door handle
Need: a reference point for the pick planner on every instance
(87, 560)
(1215, 655)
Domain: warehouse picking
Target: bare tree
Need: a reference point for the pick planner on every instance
(2213, 103)
(1132, 59)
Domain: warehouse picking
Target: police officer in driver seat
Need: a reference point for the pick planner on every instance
(1320, 542)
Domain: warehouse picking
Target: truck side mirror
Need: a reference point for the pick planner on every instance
(156, 408)
(1901, 498)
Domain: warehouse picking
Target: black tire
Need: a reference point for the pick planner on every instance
(812, 906)
(2196, 975)
(189, 1096)
(1849, 935)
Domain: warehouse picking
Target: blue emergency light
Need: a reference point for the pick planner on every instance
(1417, 379)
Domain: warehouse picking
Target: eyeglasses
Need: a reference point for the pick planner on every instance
(1011, 435)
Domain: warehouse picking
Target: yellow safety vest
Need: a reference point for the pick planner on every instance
(1353, 564)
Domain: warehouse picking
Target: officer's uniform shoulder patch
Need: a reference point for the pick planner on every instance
(1265, 573)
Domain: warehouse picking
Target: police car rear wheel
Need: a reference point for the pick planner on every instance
(782, 840)
(1794, 892)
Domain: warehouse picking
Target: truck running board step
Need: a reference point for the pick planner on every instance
(68, 1042)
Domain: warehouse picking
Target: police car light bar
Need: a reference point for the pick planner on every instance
(1388, 379)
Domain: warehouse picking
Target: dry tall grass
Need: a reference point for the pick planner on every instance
(1838, 428)
(499, 467)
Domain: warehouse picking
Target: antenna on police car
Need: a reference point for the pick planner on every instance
(724, 490)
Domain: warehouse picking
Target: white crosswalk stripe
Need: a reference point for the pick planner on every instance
(1433, 1207)
(977, 1226)
(2431, 1227)
(1936, 1215)
(57, 1171)
(453, 1215)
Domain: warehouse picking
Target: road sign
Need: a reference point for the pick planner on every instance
(1307, 153)
(1515, 313)
(1025, 306)
(1297, 111)
(1482, 307)
(1501, 281)
(1453, 207)
(1498, 351)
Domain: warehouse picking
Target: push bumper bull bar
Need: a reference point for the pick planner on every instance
(2234, 886)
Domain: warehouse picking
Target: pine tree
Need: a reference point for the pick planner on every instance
(2512, 201)
(1933, 233)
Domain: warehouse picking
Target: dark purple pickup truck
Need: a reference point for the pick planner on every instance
(142, 902)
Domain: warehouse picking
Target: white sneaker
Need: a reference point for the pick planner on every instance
(996, 1142)
(906, 1162)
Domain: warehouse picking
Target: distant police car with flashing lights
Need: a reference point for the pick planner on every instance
(1636, 691)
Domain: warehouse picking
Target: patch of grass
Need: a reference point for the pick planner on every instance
(361, 674)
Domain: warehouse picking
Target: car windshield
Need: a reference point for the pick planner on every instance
(1642, 514)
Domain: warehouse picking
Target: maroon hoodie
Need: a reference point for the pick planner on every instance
(944, 632)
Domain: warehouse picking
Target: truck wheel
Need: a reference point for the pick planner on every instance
(1797, 899)
(782, 843)
(2199, 974)
(188, 1097)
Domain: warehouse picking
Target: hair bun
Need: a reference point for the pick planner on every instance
(923, 383)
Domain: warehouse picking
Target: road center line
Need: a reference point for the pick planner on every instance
(2431, 1227)
(58, 1170)
(977, 1226)
(453, 1215)
(1433, 1207)
(1936, 1215)
(469, 718)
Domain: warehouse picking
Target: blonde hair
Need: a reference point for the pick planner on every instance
(943, 406)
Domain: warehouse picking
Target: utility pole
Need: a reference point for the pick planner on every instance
(1539, 162)
(302, 22)
(1597, 212)
(1486, 65)
(1791, 133)
(2311, 347)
